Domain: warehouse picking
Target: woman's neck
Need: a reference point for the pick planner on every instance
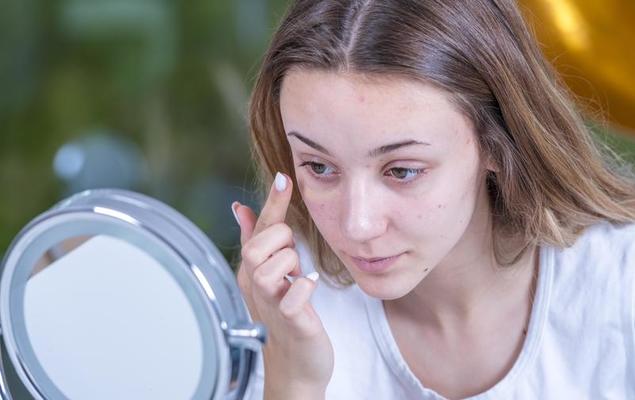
(465, 290)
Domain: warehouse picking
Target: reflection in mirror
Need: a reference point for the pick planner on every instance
(58, 251)
(98, 309)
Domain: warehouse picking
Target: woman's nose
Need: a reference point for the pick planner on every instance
(363, 215)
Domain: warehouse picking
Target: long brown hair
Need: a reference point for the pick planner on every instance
(552, 179)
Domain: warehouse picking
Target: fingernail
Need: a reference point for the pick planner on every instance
(234, 207)
(280, 182)
(313, 276)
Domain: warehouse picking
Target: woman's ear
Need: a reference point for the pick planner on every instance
(490, 165)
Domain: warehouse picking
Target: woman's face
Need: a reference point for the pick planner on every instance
(387, 168)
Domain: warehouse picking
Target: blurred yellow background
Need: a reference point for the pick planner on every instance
(592, 43)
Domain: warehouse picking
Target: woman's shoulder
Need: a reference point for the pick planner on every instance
(597, 270)
(583, 314)
(603, 243)
(588, 292)
(608, 231)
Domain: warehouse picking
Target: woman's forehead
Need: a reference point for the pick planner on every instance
(372, 84)
(327, 106)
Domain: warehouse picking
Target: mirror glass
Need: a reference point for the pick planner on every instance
(98, 309)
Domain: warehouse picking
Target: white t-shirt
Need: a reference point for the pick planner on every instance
(580, 342)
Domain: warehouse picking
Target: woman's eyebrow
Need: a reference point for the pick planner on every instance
(373, 153)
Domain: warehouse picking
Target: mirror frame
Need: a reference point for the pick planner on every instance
(237, 339)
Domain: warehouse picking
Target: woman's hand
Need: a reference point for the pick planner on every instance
(298, 355)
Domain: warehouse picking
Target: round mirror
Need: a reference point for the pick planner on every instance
(114, 295)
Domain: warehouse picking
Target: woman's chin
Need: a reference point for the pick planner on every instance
(382, 287)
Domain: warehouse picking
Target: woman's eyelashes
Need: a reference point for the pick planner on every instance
(316, 169)
(402, 175)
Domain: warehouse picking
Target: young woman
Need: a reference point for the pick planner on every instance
(471, 238)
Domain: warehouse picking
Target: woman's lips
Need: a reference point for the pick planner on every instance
(375, 265)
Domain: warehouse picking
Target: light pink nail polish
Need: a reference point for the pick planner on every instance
(313, 276)
(234, 207)
(280, 182)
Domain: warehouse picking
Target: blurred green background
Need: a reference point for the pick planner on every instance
(138, 94)
(144, 95)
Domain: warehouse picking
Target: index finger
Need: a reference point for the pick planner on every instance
(277, 204)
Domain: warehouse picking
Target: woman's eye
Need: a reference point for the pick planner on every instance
(402, 175)
(405, 174)
(318, 169)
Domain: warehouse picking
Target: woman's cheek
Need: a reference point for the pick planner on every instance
(321, 205)
(425, 216)
(421, 218)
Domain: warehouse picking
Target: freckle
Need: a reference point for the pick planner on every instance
(419, 216)
(440, 206)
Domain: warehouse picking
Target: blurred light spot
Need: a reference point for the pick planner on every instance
(69, 161)
(570, 22)
(99, 159)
